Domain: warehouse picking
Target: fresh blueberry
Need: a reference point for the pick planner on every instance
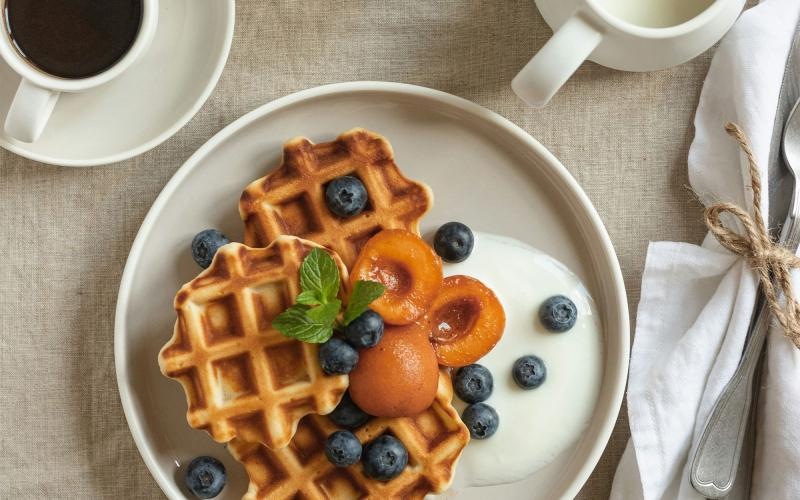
(558, 313)
(205, 244)
(473, 383)
(481, 420)
(384, 458)
(346, 196)
(343, 448)
(205, 477)
(366, 330)
(347, 414)
(453, 242)
(529, 372)
(337, 357)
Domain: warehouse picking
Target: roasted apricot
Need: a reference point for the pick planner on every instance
(466, 321)
(398, 377)
(408, 268)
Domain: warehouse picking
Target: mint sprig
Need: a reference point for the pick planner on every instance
(313, 317)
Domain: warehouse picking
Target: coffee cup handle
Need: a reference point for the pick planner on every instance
(29, 112)
(552, 66)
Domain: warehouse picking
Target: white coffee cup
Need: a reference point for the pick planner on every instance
(630, 35)
(38, 91)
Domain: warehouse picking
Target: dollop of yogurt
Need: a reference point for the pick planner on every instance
(539, 424)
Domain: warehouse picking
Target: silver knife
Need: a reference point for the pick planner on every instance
(779, 188)
(776, 169)
(704, 466)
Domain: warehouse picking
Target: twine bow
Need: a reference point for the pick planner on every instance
(771, 261)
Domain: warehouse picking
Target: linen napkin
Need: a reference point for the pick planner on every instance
(697, 301)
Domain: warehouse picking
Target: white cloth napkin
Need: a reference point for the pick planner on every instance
(697, 301)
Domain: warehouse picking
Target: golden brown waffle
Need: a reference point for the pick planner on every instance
(291, 199)
(243, 378)
(434, 439)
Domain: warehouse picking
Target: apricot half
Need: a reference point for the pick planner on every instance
(408, 268)
(466, 321)
(398, 377)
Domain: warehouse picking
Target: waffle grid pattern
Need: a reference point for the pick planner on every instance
(291, 199)
(435, 439)
(242, 378)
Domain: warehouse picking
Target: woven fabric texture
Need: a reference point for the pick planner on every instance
(66, 232)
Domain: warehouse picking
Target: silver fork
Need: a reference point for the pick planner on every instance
(717, 455)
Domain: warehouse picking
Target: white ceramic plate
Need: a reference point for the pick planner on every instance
(144, 106)
(484, 171)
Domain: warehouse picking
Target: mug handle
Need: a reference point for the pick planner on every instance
(552, 66)
(29, 112)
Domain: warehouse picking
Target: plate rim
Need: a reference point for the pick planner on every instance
(219, 66)
(619, 379)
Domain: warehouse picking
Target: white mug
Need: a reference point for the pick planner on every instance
(630, 35)
(38, 91)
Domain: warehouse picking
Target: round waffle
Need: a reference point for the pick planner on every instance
(291, 199)
(243, 378)
(435, 439)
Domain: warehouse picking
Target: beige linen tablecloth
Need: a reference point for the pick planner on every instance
(66, 232)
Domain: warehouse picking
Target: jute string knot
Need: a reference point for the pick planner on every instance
(771, 261)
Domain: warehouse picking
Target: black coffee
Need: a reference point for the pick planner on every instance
(73, 38)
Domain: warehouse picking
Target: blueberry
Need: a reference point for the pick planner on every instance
(384, 458)
(343, 448)
(366, 330)
(453, 242)
(337, 357)
(347, 414)
(205, 477)
(346, 196)
(481, 420)
(558, 313)
(529, 372)
(473, 383)
(205, 244)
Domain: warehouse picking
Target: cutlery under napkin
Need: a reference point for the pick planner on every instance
(697, 301)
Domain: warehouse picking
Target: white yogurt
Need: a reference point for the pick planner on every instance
(539, 424)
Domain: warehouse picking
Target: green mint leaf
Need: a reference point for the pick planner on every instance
(320, 275)
(325, 313)
(308, 298)
(319, 280)
(364, 292)
(296, 323)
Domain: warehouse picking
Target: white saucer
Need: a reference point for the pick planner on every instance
(147, 104)
(484, 171)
